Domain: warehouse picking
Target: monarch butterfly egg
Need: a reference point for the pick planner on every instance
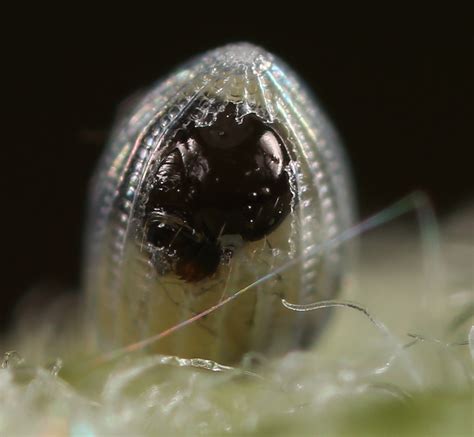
(221, 174)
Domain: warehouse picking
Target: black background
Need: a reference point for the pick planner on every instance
(399, 91)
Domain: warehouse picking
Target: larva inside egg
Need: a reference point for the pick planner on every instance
(215, 188)
(221, 174)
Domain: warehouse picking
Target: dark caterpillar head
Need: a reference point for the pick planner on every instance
(229, 178)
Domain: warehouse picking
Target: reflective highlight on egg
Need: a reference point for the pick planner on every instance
(220, 174)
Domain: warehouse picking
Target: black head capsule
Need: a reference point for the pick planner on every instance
(231, 178)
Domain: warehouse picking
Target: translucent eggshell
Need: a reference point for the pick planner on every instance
(130, 297)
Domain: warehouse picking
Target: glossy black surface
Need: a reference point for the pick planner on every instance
(226, 179)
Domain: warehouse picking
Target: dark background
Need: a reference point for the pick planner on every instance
(399, 91)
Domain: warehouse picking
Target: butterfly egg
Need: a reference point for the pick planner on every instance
(223, 174)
